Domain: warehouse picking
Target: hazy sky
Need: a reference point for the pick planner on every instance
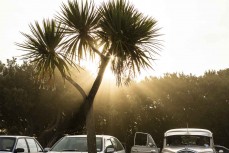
(195, 32)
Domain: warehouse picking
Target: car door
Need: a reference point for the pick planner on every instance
(144, 143)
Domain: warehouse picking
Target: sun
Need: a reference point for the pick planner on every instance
(93, 68)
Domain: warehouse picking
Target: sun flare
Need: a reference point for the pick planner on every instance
(93, 68)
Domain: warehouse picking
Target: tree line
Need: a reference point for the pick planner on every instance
(154, 105)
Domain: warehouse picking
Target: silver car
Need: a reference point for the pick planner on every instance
(78, 144)
(16, 144)
(188, 140)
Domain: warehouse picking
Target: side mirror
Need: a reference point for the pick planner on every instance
(19, 150)
(46, 149)
(109, 149)
(220, 151)
(150, 145)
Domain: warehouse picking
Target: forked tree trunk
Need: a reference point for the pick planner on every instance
(90, 124)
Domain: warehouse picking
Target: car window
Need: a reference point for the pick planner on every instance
(141, 139)
(117, 144)
(21, 143)
(99, 144)
(108, 143)
(6, 144)
(151, 141)
(33, 146)
(39, 147)
(75, 144)
(177, 140)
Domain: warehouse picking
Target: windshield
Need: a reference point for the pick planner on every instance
(6, 144)
(196, 140)
(75, 144)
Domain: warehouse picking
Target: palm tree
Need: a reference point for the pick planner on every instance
(126, 36)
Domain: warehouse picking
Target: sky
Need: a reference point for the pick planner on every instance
(195, 33)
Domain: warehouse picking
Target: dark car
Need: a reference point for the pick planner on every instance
(221, 149)
(16, 144)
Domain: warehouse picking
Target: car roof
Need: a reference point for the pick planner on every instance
(188, 131)
(103, 136)
(15, 136)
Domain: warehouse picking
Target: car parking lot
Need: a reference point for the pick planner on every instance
(182, 140)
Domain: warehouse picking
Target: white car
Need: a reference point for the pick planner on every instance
(16, 144)
(78, 144)
(188, 140)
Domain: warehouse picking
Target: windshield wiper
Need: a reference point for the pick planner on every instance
(70, 150)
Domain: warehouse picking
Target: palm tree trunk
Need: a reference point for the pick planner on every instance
(43, 136)
(90, 124)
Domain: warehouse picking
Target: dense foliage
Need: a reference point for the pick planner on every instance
(153, 106)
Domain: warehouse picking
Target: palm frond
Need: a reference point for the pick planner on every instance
(80, 22)
(131, 36)
(44, 50)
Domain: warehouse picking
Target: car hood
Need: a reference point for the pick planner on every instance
(188, 148)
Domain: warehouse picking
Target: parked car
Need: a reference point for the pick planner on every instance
(144, 143)
(78, 143)
(16, 144)
(221, 149)
(188, 140)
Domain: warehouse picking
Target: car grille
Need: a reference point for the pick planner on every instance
(186, 151)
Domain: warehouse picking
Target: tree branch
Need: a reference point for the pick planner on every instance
(77, 86)
(97, 51)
